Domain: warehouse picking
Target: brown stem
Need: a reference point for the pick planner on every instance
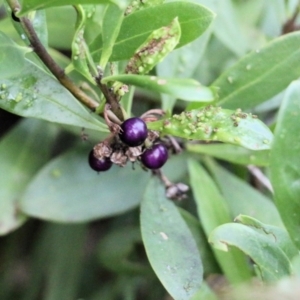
(55, 69)
(110, 97)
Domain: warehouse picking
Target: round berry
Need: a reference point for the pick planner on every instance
(134, 132)
(99, 164)
(155, 157)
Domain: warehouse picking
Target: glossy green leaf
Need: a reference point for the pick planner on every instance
(68, 190)
(81, 58)
(213, 211)
(216, 124)
(19, 163)
(241, 198)
(36, 94)
(170, 246)
(277, 234)
(185, 89)
(136, 27)
(261, 74)
(270, 260)
(232, 153)
(284, 164)
(111, 25)
(29, 5)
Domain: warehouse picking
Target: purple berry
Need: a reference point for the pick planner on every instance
(155, 157)
(99, 164)
(134, 132)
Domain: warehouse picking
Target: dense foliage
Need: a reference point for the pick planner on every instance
(188, 111)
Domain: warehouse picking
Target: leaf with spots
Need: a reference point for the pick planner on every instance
(284, 163)
(181, 88)
(28, 91)
(170, 246)
(217, 125)
(194, 19)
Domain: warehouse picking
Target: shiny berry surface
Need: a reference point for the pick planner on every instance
(155, 157)
(134, 132)
(99, 165)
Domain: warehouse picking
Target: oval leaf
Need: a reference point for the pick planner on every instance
(19, 163)
(261, 74)
(194, 19)
(285, 165)
(185, 89)
(67, 190)
(216, 124)
(170, 246)
(271, 261)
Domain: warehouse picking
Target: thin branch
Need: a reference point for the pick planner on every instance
(55, 69)
(110, 97)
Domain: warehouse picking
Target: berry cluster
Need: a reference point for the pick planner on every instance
(129, 145)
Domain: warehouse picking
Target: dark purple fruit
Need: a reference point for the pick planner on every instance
(155, 157)
(99, 164)
(134, 132)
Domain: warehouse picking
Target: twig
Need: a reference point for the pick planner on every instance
(55, 69)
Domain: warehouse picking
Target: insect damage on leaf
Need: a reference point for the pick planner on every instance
(213, 123)
(136, 5)
(159, 44)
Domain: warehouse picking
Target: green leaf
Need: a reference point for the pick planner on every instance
(261, 74)
(56, 16)
(232, 153)
(136, 27)
(216, 124)
(81, 57)
(280, 235)
(19, 163)
(170, 246)
(158, 45)
(111, 25)
(29, 5)
(241, 198)
(182, 63)
(284, 163)
(183, 88)
(270, 260)
(68, 190)
(12, 57)
(213, 211)
(210, 265)
(36, 94)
